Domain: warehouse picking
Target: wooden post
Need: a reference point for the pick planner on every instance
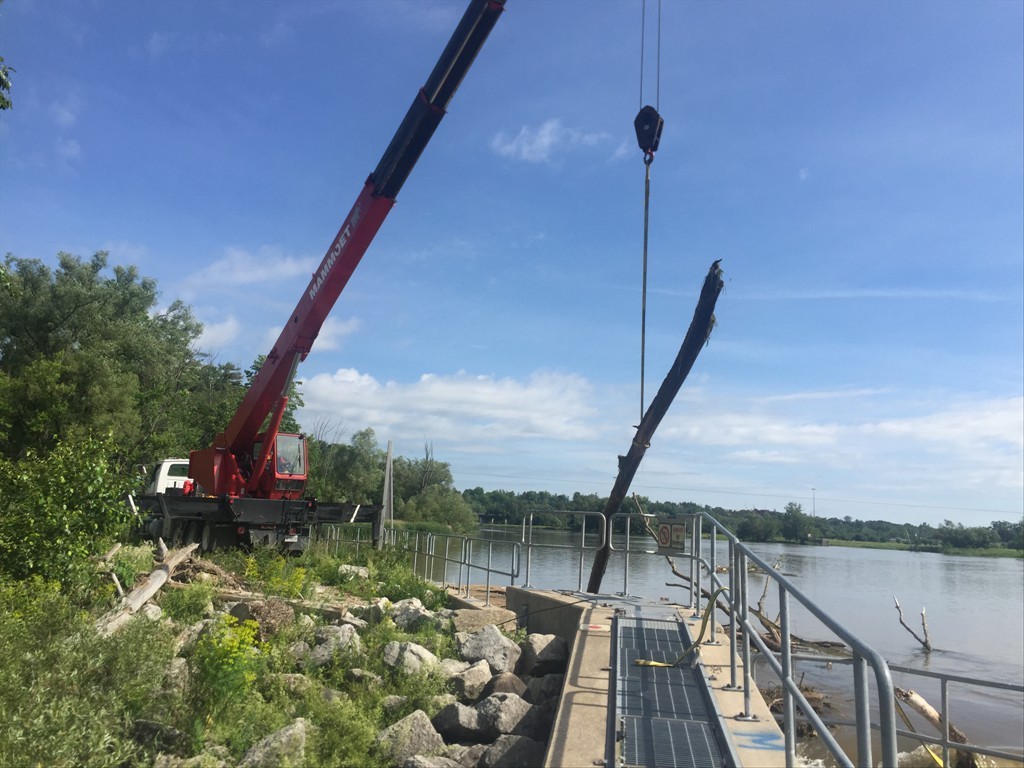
(696, 338)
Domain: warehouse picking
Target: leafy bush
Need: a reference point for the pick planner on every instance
(222, 668)
(67, 692)
(129, 562)
(188, 604)
(274, 574)
(57, 507)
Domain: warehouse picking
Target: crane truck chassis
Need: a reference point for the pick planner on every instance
(165, 511)
(247, 488)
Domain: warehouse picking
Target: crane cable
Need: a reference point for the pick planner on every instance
(648, 125)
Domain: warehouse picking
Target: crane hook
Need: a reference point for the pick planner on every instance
(648, 125)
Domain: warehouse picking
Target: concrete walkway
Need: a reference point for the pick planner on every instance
(580, 736)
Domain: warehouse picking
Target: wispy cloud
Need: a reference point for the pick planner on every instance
(157, 44)
(459, 407)
(944, 294)
(239, 266)
(216, 336)
(64, 113)
(544, 143)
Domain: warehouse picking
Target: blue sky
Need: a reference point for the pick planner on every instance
(857, 166)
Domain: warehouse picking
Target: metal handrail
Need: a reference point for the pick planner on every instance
(743, 630)
(863, 657)
(944, 679)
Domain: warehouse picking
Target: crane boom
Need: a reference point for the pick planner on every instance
(238, 463)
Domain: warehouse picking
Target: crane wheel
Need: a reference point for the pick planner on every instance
(207, 541)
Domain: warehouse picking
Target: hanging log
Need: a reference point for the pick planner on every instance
(696, 338)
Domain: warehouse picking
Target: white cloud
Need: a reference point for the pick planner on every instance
(67, 149)
(65, 113)
(157, 44)
(241, 267)
(540, 145)
(216, 336)
(333, 332)
(280, 32)
(458, 407)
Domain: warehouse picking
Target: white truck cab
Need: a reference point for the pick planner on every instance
(168, 476)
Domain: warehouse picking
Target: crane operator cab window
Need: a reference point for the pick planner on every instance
(290, 455)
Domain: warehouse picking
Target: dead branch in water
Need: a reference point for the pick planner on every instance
(926, 641)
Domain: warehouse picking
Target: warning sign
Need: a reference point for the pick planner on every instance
(671, 537)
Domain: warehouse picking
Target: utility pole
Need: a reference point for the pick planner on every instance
(814, 506)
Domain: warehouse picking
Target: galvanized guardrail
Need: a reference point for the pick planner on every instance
(436, 556)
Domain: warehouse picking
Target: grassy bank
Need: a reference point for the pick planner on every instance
(74, 697)
(900, 545)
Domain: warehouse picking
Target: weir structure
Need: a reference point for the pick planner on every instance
(663, 684)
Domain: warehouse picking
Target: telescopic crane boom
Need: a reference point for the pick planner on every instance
(250, 458)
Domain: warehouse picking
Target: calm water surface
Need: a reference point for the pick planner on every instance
(974, 608)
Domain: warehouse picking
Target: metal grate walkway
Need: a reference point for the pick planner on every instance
(663, 717)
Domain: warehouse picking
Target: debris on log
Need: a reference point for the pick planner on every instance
(138, 597)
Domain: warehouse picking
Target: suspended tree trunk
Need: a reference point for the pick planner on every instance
(696, 337)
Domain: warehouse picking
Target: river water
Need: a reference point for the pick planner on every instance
(974, 609)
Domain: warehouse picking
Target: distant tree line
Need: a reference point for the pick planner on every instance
(792, 524)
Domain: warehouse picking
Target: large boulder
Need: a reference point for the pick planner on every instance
(409, 657)
(489, 644)
(474, 619)
(540, 689)
(500, 714)
(514, 752)
(284, 747)
(431, 761)
(412, 735)
(505, 682)
(332, 640)
(271, 616)
(470, 682)
(457, 722)
(409, 614)
(543, 655)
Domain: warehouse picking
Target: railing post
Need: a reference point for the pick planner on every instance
(490, 551)
(734, 609)
(695, 567)
(788, 710)
(944, 714)
(625, 569)
(712, 584)
(748, 674)
(862, 706)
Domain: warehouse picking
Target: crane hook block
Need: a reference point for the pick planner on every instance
(648, 126)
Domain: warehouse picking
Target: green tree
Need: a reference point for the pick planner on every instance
(796, 526)
(58, 508)
(84, 350)
(5, 83)
(289, 424)
(756, 527)
(352, 473)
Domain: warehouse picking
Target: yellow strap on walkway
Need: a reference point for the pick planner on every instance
(712, 605)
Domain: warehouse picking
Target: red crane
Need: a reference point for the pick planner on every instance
(250, 458)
